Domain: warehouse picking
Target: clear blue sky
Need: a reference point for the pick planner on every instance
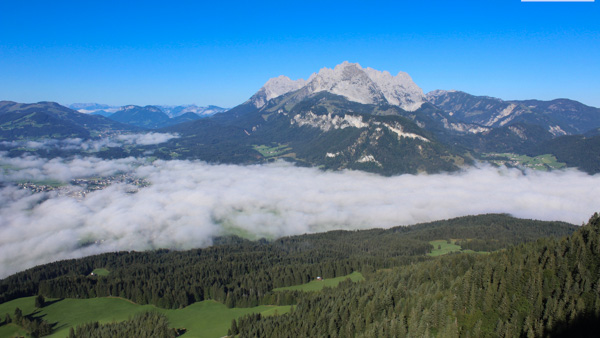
(181, 52)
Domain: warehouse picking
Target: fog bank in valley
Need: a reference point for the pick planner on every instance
(92, 145)
(189, 203)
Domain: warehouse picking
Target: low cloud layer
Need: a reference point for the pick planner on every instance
(188, 203)
(32, 168)
(142, 139)
(146, 139)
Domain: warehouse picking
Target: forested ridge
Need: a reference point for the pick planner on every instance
(242, 273)
(550, 287)
(403, 285)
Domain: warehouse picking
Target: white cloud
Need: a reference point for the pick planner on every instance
(31, 168)
(189, 203)
(143, 139)
(146, 139)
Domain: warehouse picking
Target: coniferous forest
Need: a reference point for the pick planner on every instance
(534, 279)
(147, 324)
(550, 287)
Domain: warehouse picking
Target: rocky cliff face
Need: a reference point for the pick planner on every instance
(350, 80)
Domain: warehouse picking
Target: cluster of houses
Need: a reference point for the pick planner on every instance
(80, 187)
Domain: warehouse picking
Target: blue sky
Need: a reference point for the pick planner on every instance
(182, 52)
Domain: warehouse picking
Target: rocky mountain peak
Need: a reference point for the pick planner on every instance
(275, 87)
(350, 80)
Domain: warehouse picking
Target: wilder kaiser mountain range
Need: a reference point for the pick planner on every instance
(346, 117)
(350, 80)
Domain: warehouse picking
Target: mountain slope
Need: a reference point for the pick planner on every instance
(102, 113)
(575, 150)
(569, 113)
(520, 138)
(326, 130)
(274, 87)
(148, 117)
(36, 124)
(185, 117)
(49, 119)
(559, 117)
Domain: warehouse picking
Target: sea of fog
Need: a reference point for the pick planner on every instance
(188, 203)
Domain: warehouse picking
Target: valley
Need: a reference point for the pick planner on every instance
(299, 169)
(346, 194)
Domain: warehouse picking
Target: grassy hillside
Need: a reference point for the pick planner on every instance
(442, 247)
(202, 319)
(576, 151)
(318, 285)
(446, 246)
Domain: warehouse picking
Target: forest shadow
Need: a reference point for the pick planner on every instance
(35, 315)
(50, 302)
(587, 325)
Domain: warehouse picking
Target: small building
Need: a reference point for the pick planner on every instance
(319, 278)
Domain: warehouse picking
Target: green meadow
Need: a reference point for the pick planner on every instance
(201, 319)
(542, 162)
(272, 151)
(317, 285)
(442, 247)
(101, 272)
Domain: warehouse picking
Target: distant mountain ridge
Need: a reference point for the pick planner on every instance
(351, 117)
(171, 111)
(89, 106)
(49, 119)
(151, 117)
(559, 117)
(148, 117)
(176, 111)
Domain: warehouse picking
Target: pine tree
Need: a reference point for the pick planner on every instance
(40, 301)
(234, 328)
(18, 316)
